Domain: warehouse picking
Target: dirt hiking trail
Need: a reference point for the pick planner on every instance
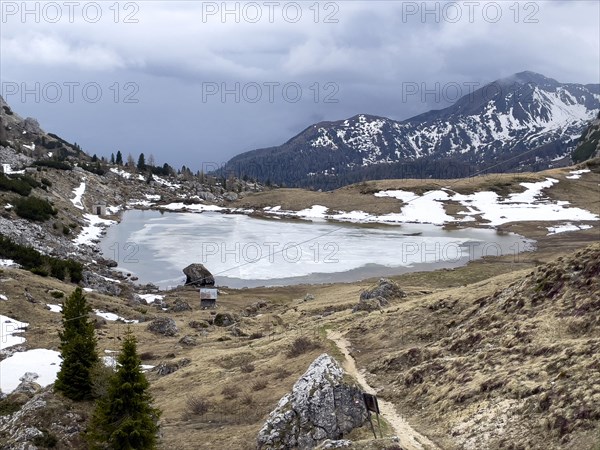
(410, 439)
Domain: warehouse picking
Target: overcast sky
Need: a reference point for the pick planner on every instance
(196, 83)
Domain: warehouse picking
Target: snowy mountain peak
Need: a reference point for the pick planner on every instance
(524, 122)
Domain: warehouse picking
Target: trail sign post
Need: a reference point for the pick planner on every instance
(373, 406)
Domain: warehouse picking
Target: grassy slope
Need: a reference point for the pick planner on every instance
(217, 364)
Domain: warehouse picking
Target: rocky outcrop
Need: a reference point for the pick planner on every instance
(166, 368)
(224, 319)
(198, 275)
(378, 296)
(180, 306)
(370, 304)
(164, 325)
(323, 405)
(386, 289)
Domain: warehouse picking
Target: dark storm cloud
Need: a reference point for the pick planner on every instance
(177, 54)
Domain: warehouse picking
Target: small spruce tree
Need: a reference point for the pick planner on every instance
(78, 348)
(124, 419)
(141, 165)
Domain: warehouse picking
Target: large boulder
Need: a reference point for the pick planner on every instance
(198, 275)
(323, 405)
(386, 289)
(163, 325)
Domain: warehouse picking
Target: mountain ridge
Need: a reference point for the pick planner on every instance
(522, 122)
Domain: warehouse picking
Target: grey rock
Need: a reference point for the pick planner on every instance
(231, 196)
(237, 332)
(370, 304)
(322, 405)
(100, 284)
(309, 297)
(198, 275)
(224, 319)
(207, 196)
(199, 324)
(188, 340)
(385, 288)
(180, 306)
(163, 325)
(166, 368)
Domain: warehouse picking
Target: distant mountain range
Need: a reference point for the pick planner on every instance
(523, 122)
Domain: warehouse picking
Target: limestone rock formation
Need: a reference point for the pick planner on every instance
(323, 405)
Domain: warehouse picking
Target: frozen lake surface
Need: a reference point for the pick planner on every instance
(243, 251)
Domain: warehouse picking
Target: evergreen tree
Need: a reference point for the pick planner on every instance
(94, 158)
(141, 165)
(119, 159)
(125, 419)
(112, 158)
(78, 348)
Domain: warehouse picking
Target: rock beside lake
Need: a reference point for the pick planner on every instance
(323, 405)
(198, 275)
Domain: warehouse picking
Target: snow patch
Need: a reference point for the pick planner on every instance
(563, 228)
(93, 230)
(45, 363)
(576, 174)
(78, 192)
(54, 308)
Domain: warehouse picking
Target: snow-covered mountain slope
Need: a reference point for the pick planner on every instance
(523, 122)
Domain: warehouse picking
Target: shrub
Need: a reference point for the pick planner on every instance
(281, 373)
(8, 407)
(197, 405)
(247, 368)
(230, 392)
(34, 208)
(66, 230)
(259, 385)
(60, 165)
(46, 182)
(57, 294)
(301, 345)
(45, 440)
(16, 185)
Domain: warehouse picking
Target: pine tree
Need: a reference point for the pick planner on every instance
(141, 165)
(112, 158)
(119, 159)
(125, 418)
(78, 348)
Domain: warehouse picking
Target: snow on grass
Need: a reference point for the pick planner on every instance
(8, 207)
(150, 298)
(45, 363)
(8, 329)
(314, 212)
(426, 208)
(576, 174)
(154, 197)
(530, 205)
(93, 230)
(562, 228)
(113, 209)
(112, 316)
(8, 263)
(3, 297)
(191, 208)
(88, 289)
(78, 192)
(121, 173)
(54, 308)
